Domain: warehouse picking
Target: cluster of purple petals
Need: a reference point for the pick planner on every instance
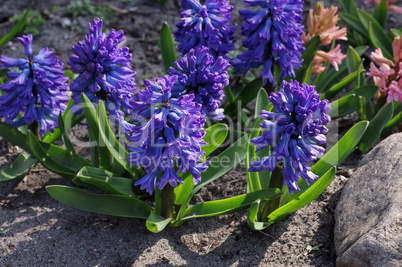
(168, 134)
(104, 71)
(38, 89)
(295, 131)
(206, 25)
(273, 37)
(199, 73)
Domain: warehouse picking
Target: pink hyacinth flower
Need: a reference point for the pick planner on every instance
(334, 56)
(394, 91)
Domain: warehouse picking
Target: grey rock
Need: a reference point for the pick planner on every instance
(368, 217)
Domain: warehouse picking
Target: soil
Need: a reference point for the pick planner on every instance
(37, 230)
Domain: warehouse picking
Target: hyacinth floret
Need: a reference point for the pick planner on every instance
(104, 71)
(273, 37)
(199, 73)
(206, 25)
(37, 89)
(295, 131)
(168, 134)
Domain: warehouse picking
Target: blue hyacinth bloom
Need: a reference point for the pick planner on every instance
(38, 89)
(295, 132)
(273, 37)
(168, 135)
(199, 73)
(206, 25)
(104, 71)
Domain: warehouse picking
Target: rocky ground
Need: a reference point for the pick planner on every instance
(36, 230)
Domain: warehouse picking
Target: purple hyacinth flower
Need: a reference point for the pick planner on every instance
(199, 73)
(206, 25)
(104, 71)
(295, 131)
(168, 134)
(273, 37)
(38, 89)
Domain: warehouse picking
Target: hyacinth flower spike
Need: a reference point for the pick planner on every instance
(104, 72)
(206, 25)
(167, 137)
(295, 132)
(273, 38)
(38, 89)
(201, 74)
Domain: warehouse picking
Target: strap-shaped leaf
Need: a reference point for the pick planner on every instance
(355, 23)
(156, 223)
(232, 156)
(118, 152)
(115, 205)
(229, 205)
(105, 180)
(339, 86)
(17, 28)
(376, 33)
(308, 56)
(167, 47)
(303, 199)
(247, 94)
(380, 13)
(375, 128)
(47, 161)
(14, 136)
(334, 157)
(18, 168)
(105, 159)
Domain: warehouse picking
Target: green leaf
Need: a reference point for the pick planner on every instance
(17, 28)
(303, 199)
(18, 168)
(350, 101)
(105, 159)
(377, 35)
(248, 94)
(392, 123)
(380, 13)
(339, 86)
(47, 161)
(118, 152)
(355, 23)
(156, 223)
(78, 162)
(376, 126)
(353, 60)
(115, 205)
(229, 205)
(261, 103)
(167, 47)
(214, 137)
(348, 6)
(334, 157)
(219, 165)
(14, 136)
(307, 75)
(308, 56)
(105, 180)
(252, 218)
(396, 32)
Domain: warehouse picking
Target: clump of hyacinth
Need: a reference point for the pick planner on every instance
(387, 76)
(273, 37)
(104, 71)
(37, 89)
(322, 21)
(390, 5)
(295, 131)
(199, 73)
(206, 25)
(168, 136)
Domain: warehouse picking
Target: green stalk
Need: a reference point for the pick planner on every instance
(276, 182)
(167, 201)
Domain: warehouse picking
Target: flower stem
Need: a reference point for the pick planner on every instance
(275, 182)
(167, 201)
(34, 127)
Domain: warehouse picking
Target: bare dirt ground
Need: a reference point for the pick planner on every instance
(36, 230)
